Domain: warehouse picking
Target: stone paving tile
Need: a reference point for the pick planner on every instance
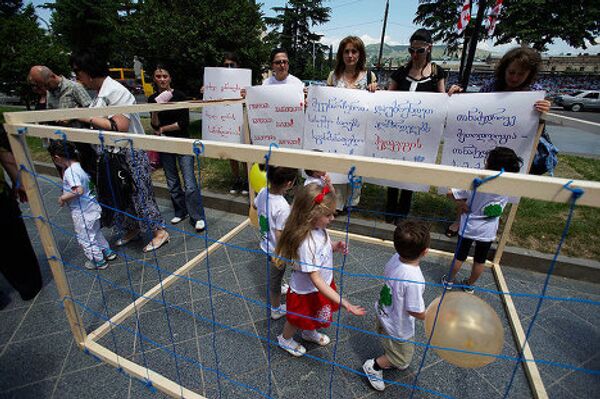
(37, 390)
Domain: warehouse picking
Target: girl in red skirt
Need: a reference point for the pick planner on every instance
(312, 298)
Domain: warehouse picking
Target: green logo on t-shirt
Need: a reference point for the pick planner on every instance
(493, 210)
(263, 222)
(385, 297)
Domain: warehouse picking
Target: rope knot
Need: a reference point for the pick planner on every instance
(198, 147)
(22, 130)
(268, 154)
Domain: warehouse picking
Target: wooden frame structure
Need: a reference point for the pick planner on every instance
(20, 124)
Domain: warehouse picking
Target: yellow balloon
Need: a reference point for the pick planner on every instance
(465, 322)
(253, 215)
(258, 178)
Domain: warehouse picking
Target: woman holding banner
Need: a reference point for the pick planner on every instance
(419, 74)
(350, 73)
(517, 71)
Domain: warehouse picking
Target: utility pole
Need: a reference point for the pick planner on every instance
(385, 17)
(466, 72)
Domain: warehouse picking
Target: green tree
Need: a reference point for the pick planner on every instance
(533, 22)
(24, 44)
(293, 26)
(89, 25)
(189, 35)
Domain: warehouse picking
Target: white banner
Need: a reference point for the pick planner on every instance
(479, 122)
(336, 121)
(406, 126)
(224, 122)
(276, 115)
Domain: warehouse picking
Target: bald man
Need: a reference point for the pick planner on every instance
(64, 93)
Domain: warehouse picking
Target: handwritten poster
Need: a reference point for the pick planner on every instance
(276, 115)
(477, 123)
(224, 122)
(406, 126)
(336, 122)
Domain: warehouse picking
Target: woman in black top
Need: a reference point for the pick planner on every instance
(174, 123)
(419, 74)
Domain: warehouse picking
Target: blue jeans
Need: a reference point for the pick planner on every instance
(188, 201)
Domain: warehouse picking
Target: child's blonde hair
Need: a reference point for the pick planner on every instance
(305, 210)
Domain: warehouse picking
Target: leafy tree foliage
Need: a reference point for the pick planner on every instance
(292, 31)
(25, 44)
(188, 35)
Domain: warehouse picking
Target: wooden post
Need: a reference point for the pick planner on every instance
(248, 140)
(513, 209)
(22, 155)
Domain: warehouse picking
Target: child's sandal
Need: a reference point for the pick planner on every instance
(317, 338)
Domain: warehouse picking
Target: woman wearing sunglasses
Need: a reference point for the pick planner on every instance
(419, 74)
(280, 63)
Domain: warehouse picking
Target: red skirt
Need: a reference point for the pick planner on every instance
(314, 305)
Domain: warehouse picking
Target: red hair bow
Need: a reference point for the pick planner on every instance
(319, 198)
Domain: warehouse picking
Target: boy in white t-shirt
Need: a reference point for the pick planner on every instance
(79, 195)
(483, 212)
(400, 301)
(271, 223)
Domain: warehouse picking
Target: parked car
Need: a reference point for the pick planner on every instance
(583, 99)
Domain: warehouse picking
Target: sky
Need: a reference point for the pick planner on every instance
(364, 18)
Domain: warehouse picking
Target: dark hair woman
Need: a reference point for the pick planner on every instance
(92, 72)
(419, 74)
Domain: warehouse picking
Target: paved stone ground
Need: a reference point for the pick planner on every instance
(38, 358)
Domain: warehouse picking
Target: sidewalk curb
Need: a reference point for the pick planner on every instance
(574, 268)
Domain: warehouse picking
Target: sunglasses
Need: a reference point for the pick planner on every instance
(229, 65)
(280, 62)
(419, 50)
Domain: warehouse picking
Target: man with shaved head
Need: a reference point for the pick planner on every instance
(64, 93)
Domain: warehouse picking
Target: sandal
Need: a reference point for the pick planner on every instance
(160, 242)
(131, 235)
(291, 346)
(315, 337)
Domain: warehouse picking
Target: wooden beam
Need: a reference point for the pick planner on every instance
(36, 202)
(510, 184)
(159, 382)
(166, 283)
(531, 370)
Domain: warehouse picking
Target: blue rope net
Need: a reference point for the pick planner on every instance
(250, 380)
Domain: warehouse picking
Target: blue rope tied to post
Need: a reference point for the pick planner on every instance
(576, 193)
(477, 182)
(268, 267)
(354, 184)
(198, 149)
(120, 231)
(138, 183)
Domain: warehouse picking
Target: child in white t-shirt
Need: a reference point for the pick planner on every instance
(400, 301)
(312, 298)
(79, 195)
(483, 218)
(271, 223)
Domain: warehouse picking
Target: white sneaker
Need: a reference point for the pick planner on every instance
(291, 346)
(375, 377)
(200, 226)
(177, 219)
(284, 288)
(278, 313)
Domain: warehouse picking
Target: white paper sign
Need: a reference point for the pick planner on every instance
(336, 121)
(406, 126)
(224, 122)
(477, 123)
(276, 115)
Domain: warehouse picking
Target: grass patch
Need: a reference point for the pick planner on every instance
(538, 225)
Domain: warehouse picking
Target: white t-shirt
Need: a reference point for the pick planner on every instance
(397, 298)
(75, 176)
(316, 180)
(315, 254)
(279, 210)
(113, 93)
(289, 80)
(483, 224)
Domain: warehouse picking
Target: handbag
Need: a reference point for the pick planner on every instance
(115, 186)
